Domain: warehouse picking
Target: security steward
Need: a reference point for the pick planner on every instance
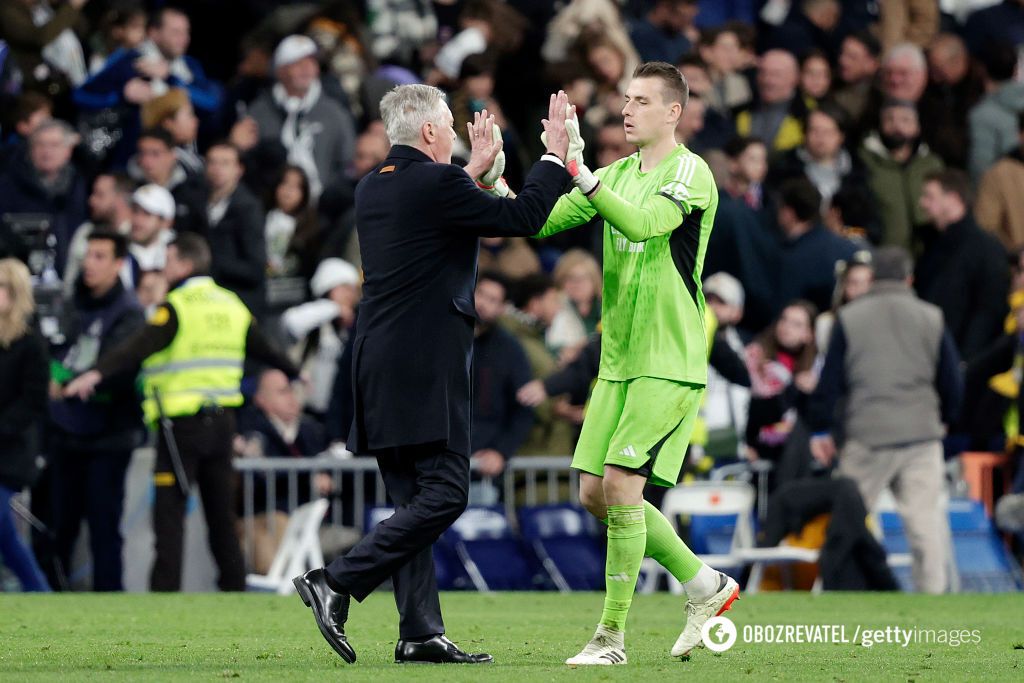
(191, 353)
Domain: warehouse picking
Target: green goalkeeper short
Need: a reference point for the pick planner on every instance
(643, 424)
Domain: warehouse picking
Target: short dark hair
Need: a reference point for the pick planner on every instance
(1000, 60)
(800, 195)
(194, 249)
(123, 184)
(530, 287)
(157, 20)
(161, 134)
(739, 144)
(834, 112)
(496, 277)
(953, 180)
(869, 41)
(108, 234)
(227, 144)
(674, 87)
(892, 263)
(28, 103)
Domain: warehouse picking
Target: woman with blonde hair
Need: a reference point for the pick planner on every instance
(578, 277)
(24, 376)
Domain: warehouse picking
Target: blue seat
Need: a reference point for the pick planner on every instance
(566, 540)
(491, 555)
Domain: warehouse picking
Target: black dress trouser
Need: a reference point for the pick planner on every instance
(204, 443)
(429, 486)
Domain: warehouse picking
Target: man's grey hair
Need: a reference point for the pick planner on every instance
(909, 51)
(70, 136)
(892, 263)
(406, 108)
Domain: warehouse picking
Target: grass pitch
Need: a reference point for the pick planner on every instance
(262, 637)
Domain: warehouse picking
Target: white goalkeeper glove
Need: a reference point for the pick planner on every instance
(492, 181)
(582, 177)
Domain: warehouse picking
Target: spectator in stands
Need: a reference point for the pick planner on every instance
(535, 303)
(776, 116)
(29, 110)
(292, 236)
(274, 427)
(823, 158)
(955, 85)
(371, 149)
(46, 183)
(235, 219)
(904, 73)
(852, 214)
(322, 328)
(963, 269)
(907, 21)
(691, 123)
(998, 208)
(809, 252)
(726, 404)
(578, 277)
(896, 395)
(611, 143)
(136, 76)
(110, 208)
(718, 128)
(43, 44)
(667, 31)
(157, 163)
(122, 27)
(781, 365)
(853, 280)
(897, 162)
(500, 424)
(858, 92)
(315, 132)
(992, 123)
(91, 441)
(511, 256)
(151, 230)
(173, 112)
(811, 25)
(23, 379)
(399, 30)
(720, 49)
(815, 78)
(748, 166)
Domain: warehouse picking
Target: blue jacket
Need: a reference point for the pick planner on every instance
(106, 88)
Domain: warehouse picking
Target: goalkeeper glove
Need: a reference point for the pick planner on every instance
(492, 181)
(582, 177)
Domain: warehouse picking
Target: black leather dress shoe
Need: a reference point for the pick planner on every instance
(437, 650)
(330, 610)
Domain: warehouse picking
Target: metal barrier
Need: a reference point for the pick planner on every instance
(527, 480)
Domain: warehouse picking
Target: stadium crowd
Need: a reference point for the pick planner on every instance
(833, 128)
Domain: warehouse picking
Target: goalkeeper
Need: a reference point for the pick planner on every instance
(659, 205)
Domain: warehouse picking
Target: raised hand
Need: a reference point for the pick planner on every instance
(484, 148)
(555, 137)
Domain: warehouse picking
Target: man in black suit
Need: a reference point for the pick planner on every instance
(419, 220)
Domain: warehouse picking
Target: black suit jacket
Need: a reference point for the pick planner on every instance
(419, 224)
(240, 251)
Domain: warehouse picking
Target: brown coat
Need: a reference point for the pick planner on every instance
(999, 208)
(902, 21)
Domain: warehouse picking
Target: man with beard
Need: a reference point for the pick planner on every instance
(897, 163)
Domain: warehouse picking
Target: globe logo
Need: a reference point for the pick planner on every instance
(718, 634)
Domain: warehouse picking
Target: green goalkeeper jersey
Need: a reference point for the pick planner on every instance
(656, 232)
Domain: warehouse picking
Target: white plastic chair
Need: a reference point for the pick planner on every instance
(298, 553)
(705, 498)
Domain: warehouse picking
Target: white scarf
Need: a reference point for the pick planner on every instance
(175, 67)
(63, 53)
(278, 231)
(299, 138)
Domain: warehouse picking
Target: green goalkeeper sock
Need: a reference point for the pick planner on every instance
(667, 549)
(627, 534)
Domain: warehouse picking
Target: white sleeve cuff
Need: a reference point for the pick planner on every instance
(548, 156)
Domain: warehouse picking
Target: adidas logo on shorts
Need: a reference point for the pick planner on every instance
(628, 451)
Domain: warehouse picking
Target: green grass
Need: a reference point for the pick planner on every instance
(210, 637)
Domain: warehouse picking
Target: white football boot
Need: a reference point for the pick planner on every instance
(607, 647)
(697, 614)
